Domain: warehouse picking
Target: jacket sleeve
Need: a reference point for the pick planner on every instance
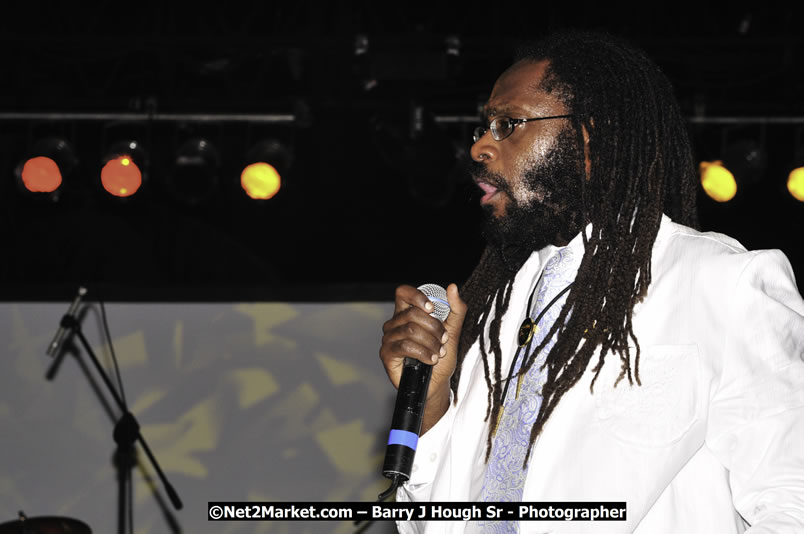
(756, 417)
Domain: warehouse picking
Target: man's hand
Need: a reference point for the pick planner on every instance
(412, 333)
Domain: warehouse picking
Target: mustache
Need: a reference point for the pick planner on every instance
(480, 173)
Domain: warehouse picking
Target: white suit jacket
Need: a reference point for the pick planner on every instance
(713, 440)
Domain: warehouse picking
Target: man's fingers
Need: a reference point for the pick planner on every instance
(413, 333)
(416, 315)
(412, 340)
(407, 296)
(405, 348)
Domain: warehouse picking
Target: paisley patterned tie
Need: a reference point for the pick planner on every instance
(505, 476)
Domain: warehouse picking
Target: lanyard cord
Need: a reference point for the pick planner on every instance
(530, 339)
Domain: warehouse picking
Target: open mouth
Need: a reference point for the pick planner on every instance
(489, 191)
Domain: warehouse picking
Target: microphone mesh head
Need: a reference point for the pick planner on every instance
(438, 296)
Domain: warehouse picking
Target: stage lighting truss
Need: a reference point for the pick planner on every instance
(193, 172)
(43, 172)
(264, 169)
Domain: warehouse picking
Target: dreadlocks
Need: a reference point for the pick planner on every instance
(641, 166)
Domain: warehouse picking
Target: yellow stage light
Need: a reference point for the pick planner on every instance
(795, 183)
(265, 169)
(717, 181)
(260, 181)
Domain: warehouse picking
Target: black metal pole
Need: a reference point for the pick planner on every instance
(127, 429)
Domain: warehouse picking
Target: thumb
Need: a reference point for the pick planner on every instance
(457, 314)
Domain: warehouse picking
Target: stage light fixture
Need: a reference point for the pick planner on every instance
(43, 172)
(795, 178)
(746, 160)
(743, 163)
(266, 163)
(260, 180)
(124, 169)
(194, 177)
(795, 183)
(717, 181)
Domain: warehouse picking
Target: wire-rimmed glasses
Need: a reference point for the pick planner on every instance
(501, 127)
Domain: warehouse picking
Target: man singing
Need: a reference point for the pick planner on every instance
(603, 349)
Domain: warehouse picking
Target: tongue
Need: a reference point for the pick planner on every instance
(488, 189)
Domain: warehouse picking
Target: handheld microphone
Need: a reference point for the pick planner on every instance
(409, 408)
(61, 333)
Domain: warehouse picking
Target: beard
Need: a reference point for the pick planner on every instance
(553, 220)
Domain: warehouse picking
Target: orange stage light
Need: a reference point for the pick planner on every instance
(41, 175)
(121, 177)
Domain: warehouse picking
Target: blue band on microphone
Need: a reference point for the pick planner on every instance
(403, 437)
(440, 301)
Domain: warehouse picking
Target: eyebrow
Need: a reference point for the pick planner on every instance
(502, 110)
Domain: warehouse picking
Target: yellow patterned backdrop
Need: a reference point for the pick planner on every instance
(249, 401)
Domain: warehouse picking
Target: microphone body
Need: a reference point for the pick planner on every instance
(61, 333)
(410, 398)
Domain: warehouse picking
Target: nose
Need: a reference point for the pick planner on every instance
(485, 148)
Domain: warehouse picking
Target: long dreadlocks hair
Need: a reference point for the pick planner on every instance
(641, 166)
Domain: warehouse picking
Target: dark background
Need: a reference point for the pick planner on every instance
(373, 198)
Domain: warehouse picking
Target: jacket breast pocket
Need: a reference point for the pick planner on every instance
(661, 410)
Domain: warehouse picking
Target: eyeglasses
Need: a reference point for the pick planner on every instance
(501, 127)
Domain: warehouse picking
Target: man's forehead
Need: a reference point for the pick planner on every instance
(523, 74)
(517, 89)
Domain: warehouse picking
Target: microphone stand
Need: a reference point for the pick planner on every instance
(126, 433)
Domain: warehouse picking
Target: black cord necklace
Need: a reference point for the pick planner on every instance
(524, 340)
